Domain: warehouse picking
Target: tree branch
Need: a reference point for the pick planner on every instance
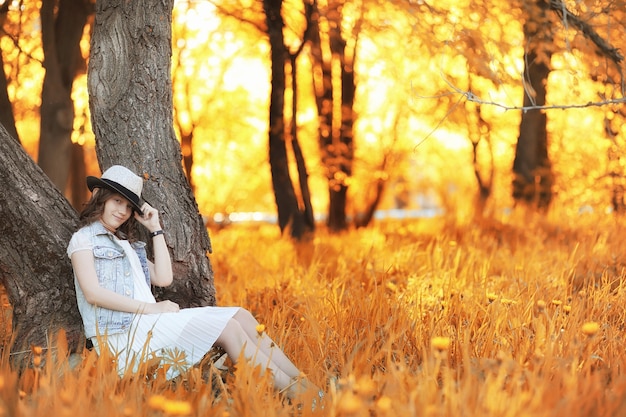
(611, 52)
(469, 96)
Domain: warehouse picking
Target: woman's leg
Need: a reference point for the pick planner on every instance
(265, 344)
(234, 340)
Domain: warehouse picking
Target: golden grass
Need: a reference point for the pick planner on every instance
(427, 318)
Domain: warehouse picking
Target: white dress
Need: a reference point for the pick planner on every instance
(180, 339)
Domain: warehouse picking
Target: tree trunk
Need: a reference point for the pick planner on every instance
(186, 143)
(7, 118)
(335, 126)
(61, 35)
(37, 223)
(346, 133)
(6, 109)
(130, 94)
(479, 132)
(289, 214)
(78, 193)
(303, 175)
(532, 170)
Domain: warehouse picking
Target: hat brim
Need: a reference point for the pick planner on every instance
(135, 201)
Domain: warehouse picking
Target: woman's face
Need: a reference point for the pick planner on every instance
(117, 210)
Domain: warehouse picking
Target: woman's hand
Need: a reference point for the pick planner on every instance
(166, 306)
(161, 269)
(150, 218)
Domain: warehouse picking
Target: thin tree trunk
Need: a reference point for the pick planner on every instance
(61, 34)
(303, 175)
(323, 86)
(335, 131)
(186, 143)
(7, 119)
(532, 169)
(478, 131)
(289, 215)
(130, 94)
(77, 190)
(6, 109)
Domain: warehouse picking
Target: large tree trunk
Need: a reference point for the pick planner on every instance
(289, 214)
(130, 94)
(532, 183)
(61, 33)
(37, 223)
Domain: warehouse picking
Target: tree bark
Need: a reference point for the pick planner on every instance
(37, 223)
(61, 33)
(289, 214)
(533, 179)
(130, 94)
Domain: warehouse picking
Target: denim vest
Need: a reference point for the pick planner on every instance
(114, 273)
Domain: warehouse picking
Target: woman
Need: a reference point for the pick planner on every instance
(113, 276)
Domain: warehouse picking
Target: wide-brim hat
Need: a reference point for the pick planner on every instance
(121, 180)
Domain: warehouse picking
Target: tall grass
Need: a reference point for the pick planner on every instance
(523, 317)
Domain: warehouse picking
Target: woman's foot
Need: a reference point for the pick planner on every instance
(302, 387)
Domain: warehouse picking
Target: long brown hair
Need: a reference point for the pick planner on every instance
(94, 208)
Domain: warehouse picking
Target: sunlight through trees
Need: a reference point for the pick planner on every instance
(438, 101)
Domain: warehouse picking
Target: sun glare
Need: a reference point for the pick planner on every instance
(252, 74)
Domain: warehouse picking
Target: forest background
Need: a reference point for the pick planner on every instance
(469, 107)
(439, 95)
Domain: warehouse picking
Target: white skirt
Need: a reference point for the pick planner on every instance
(179, 340)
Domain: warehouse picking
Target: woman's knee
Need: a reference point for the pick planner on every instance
(244, 317)
(231, 336)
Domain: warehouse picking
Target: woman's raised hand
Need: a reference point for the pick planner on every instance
(150, 218)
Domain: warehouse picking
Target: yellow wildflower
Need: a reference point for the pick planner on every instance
(177, 408)
(440, 343)
(260, 328)
(383, 404)
(590, 328)
(156, 402)
(349, 403)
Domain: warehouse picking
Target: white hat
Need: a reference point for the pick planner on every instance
(120, 180)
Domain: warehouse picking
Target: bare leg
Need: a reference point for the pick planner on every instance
(234, 340)
(266, 345)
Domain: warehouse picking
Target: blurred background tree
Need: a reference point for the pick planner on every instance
(400, 104)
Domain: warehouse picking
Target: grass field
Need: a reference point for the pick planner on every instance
(523, 317)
